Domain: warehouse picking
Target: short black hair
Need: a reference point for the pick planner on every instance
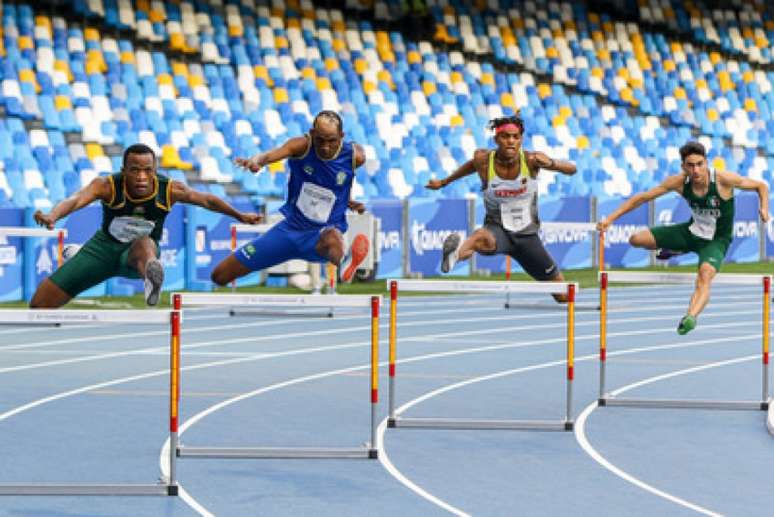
(329, 115)
(137, 149)
(501, 121)
(692, 148)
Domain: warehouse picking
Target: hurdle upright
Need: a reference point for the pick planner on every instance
(684, 278)
(369, 451)
(472, 286)
(172, 318)
(23, 231)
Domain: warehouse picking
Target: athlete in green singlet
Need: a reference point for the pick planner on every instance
(135, 203)
(710, 195)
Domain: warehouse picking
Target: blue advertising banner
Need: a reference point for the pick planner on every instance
(770, 231)
(618, 251)
(80, 226)
(390, 214)
(569, 249)
(673, 209)
(430, 222)
(746, 244)
(11, 257)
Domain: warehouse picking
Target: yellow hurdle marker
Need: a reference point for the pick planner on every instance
(369, 451)
(468, 286)
(683, 278)
(167, 486)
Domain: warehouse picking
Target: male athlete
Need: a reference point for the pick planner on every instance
(709, 232)
(135, 203)
(509, 180)
(322, 168)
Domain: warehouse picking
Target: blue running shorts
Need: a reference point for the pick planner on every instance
(279, 244)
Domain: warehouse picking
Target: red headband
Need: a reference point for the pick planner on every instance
(506, 127)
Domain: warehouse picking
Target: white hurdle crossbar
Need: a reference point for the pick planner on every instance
(683, 278)
(24, 231)
(369, 451)
(470, 286)
(167, 486)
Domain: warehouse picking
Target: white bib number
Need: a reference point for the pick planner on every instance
(316, 202)
(127, 228)
(703, 226)
(516, 215)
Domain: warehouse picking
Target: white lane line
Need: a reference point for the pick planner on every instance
(580, 433)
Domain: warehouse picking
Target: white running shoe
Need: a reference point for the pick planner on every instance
(451, 251)
(154, 279)
(358, 251)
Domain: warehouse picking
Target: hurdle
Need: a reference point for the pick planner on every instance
(472, 286)
(263, 228)
(23, 231)
(555, 226)
(167, 486)
(683, 278)
(368, 451)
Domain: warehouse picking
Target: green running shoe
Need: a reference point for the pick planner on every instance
(687, 324)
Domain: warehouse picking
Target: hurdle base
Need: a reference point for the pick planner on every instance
(732, 405)
(483, 424)
(552, 306)
(87, 489)
(391, 422)
(770, 418)
(289, 314)
(277, 452)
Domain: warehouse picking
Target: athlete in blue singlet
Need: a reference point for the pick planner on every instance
(322, 167)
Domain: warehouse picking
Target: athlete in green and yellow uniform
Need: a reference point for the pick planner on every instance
(708, 233)
(135, 203)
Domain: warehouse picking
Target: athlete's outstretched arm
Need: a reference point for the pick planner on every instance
(543, 161)
(466, 169)
(358, 160)
(294, 147)
(99, 188)
(182, 193)
(733, 180)
(672, 183)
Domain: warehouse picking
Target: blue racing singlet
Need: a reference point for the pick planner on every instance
(319, 190)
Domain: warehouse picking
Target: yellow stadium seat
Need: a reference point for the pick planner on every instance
(506, 100)
(598, 72)
(669, 13)
(456, 77)
(384, 76)
(569, 25)
(261, 72)
(278, 12)
(308, 73)
(276, 167)
(143, 5)
(361, 65)
(441, 33)
(323, 83)
(608, 27)
(94, 150)
(91, 34)
(413, 57)
(170, 158)
(280, 42)
(719, 164)
(179, 68)
(544, 90)
(338, 26)
(27, 76)
(156, 16)
(25, 43)
(603, 54)
(368, 87)
(624, 72)
(552, 53)
(565, 111)
(668, 65)
(428, 88)
(164, 79)
(712, 114)
(43, 21)
(715, 58)
(92, 67)
(750, 105)
(281, 96)
(487, 78)
(177, 41)
(558, 121)
(339, 45)
(747, 33)
(195, 80)
(635, 83)
(127, 57)
(518, 23)
(748, 76)
(63, 66)
(679, 93)
(593, 18)
(700, 84)
(598, 37)
(331, 64)
(235, 31)
(761, 42)
(387, 56)
(294, 23)
(456, 120)
(582, 142)
(62, 102)
(627, 95)
(676, 47)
